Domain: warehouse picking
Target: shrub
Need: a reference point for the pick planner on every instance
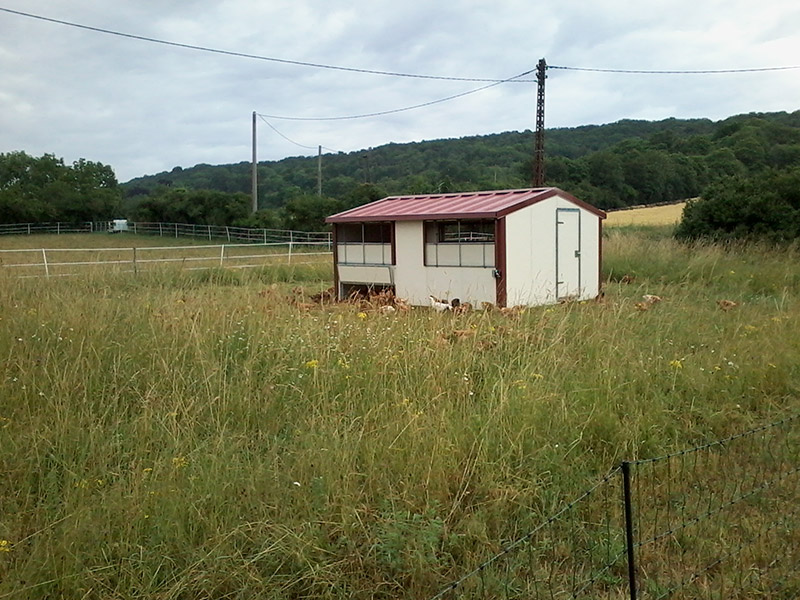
(766, 207)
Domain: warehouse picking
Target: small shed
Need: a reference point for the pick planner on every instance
(508, 247)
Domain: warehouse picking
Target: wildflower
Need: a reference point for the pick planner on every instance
(179, 462)
(537, 376)
(312, 364)
(676, 364)
(147, 470)
(362, 315)
(5, 546)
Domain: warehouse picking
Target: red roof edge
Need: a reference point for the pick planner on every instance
(538, 194)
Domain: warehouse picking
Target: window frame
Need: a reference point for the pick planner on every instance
(436, 232)
(364, 234)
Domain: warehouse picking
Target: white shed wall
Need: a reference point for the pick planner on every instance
(416, 282)
(365, 275)
(531, 253)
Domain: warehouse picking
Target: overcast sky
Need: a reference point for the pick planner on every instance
(144, 107)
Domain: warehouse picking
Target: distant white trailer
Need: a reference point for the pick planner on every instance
(507, 247)
(117, 225)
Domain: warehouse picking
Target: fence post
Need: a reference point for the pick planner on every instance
(227, 233)
(135, 269)
(221, 254)
(626, 491)
(176, 231)
(46, 268)
(291, 242)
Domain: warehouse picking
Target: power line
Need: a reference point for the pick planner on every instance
(405, 108)
(288, 139)
(254, 56)
(675, 72)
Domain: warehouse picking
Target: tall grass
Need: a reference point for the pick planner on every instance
(180, 435)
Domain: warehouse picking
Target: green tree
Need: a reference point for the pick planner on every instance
(45, 189)
(766, 206)
(307, 212)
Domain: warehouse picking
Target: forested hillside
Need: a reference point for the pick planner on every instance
(615, 165)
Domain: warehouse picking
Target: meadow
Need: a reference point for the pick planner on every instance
(669, 214)
(78, 254)
(180, 434)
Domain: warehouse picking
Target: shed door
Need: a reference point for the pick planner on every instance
(568, 253)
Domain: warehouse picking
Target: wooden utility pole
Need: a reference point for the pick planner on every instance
(319, 171)
(538, 155)
(255, 168)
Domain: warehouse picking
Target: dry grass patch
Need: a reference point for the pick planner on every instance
(649, 215)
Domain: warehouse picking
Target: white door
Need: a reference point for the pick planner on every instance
(568, 253)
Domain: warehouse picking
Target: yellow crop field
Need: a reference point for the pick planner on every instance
(651, 215)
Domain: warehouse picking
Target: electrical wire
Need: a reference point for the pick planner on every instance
(398, 110)
(288, 139)
(675, 72)
(256, 56)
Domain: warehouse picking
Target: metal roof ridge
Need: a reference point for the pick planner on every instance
(467, 194)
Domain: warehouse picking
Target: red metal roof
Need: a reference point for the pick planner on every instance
(467, 205)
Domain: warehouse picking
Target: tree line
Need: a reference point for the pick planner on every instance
(45, 189)
(610, 166)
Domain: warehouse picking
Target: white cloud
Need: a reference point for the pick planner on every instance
(144, 107)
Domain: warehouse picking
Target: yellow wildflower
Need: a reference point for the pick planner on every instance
(179, 462)
(362, 315)
(312, 364)
(676, 364)
(5, 546)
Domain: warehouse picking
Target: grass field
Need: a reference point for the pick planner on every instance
(79, 254)
(197, 435)
(650, 215)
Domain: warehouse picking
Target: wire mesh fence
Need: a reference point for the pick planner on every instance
(578, 552)
(720, 520)
(713, 522)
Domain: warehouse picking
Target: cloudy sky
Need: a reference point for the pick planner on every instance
(144, 107)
